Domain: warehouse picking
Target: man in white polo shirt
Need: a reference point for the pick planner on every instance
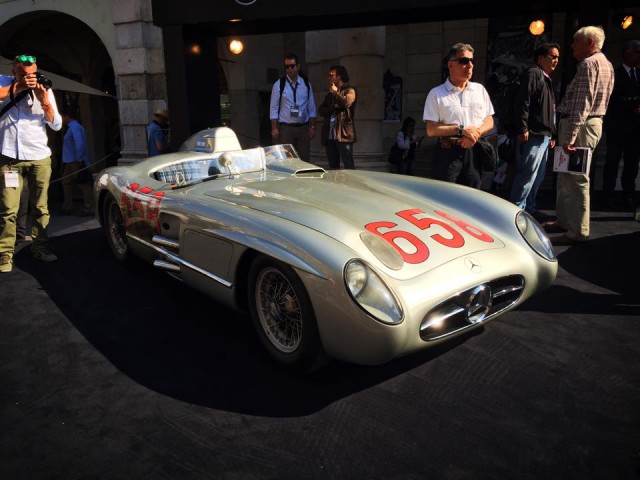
(458, 112)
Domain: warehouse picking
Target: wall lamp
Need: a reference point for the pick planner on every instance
(626, 22)
(536, 27)
(236, 46)
(622, 19)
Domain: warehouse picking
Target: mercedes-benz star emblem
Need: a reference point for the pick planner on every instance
(473, 264)
(478, 304)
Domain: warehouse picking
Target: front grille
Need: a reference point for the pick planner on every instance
(471, 307)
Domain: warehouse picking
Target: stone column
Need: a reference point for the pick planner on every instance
(361, 52)
(140, 71)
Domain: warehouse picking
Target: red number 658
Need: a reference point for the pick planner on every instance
(443, 234)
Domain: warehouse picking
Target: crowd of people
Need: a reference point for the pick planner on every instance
(459, 113)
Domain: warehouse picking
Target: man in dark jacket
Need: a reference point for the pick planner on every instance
(338, 128)
(622, 124)
(534, 112)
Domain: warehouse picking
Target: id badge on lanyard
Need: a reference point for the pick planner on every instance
(295, 108)
(11, 179)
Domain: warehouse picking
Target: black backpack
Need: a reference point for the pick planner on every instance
(503, 104)
(282, 83)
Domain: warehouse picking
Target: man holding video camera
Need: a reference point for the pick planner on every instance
(27, 106)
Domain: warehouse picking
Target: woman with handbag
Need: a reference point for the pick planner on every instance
(338, 129)
(403, 151)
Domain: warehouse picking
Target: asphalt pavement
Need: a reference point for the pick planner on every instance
(109, 372)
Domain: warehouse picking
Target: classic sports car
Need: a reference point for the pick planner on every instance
(357, 265)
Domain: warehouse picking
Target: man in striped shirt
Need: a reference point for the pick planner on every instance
(581, 114)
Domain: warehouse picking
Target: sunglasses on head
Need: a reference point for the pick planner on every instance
(463, 60)
(26, 59)
(290, 65)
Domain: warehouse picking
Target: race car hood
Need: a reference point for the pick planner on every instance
(343, 204)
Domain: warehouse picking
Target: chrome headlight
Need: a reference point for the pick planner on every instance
(370, 293)
(534, 235)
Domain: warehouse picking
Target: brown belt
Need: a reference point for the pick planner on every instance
(448, 142)
(294, 124)
(566, 115)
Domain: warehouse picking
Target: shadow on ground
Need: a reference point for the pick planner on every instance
(610, 263)
(180, 343)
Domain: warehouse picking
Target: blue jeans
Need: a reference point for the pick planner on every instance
(337, 150)
(531, 164)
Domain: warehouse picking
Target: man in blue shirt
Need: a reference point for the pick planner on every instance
(75, 165)
(293, 109)
(158, 133)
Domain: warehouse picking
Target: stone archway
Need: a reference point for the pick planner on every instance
(66, 46)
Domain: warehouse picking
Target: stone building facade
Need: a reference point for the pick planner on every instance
(132, 50)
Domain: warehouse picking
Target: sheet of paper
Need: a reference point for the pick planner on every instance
(578, 162)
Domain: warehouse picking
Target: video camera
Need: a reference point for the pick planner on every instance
(44, 81)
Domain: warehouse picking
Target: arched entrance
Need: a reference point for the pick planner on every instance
(68, 47)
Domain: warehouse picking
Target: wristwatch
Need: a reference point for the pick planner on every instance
(460, 129)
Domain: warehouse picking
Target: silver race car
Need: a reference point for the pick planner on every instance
(356, 265)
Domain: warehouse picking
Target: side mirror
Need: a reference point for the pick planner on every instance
(225, 160)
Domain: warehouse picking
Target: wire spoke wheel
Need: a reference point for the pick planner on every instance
(115, 229)
(283, 316)
(279, 310)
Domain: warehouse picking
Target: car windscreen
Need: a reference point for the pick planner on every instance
(274, 153)
(189, 171)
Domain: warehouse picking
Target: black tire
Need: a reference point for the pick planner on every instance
(283, 317)
(114, 228)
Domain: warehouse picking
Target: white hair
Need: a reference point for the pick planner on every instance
(592, 32)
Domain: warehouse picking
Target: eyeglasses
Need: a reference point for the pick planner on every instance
(290, 65)
(25, 59)
(554, 57)
(463, 60)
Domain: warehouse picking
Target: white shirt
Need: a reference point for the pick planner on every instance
(23, 133)
(449, 105)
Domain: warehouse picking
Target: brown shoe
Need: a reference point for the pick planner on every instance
(44, 254)
(553, 227)
(562, 241)
(6, 263)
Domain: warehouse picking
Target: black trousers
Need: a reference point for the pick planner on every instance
(457, 165)
(625, 146)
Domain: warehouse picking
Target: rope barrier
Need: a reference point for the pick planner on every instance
(102, 160)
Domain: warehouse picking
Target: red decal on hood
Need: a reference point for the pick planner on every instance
(444, 234)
